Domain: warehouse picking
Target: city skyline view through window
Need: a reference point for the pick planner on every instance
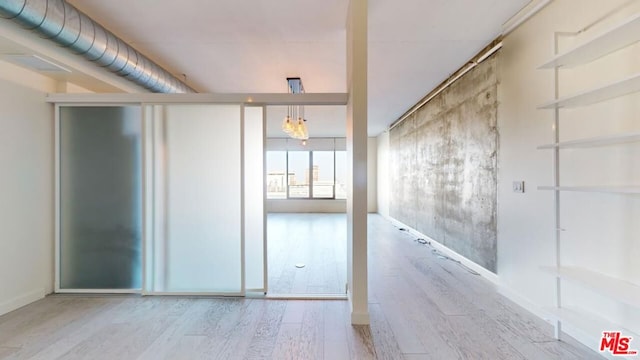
(306, 174)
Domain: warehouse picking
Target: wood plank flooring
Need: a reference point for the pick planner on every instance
(421, 306)
(319, 241)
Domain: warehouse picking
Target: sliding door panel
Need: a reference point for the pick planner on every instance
(100, 198)
(197, 245)
(254, 188)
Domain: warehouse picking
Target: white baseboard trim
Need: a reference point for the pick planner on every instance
(450, 253)
(524, 303)
(305, 296)
(21, 300)
(567, 328)
(358, 318)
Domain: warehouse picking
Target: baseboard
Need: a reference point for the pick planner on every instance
(358, 318)
(305, 297)
(21, 300)
(568, 329)
(447, 251)
(524, 303)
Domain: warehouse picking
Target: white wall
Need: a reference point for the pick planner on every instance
(602, 230)
(26, 199)
(306, 206)
(71, 88)
(383, 174)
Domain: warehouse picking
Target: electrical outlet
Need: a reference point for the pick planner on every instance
(518, 186)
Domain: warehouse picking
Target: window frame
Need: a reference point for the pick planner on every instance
(310, 176)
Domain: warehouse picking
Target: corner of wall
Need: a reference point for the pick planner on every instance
(21, 300)
(26, 162)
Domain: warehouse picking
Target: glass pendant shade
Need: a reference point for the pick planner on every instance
(300, 130)
(305, 132)
(287, 125)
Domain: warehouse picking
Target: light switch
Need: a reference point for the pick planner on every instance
(518, 186)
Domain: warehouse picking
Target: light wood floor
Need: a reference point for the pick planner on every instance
(422, 307)
(319, 241)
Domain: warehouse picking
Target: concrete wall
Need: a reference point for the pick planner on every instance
(601, 229)
(444, 166)
(26, 187)
(382, 178)
(372, 175)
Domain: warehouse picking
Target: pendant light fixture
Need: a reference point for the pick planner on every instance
(294, 123)
(287, 124)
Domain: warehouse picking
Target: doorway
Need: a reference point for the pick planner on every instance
(306, 188)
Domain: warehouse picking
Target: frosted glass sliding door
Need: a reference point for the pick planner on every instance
(100, 198)
(193, 173)
(254, 187)
(196, 246)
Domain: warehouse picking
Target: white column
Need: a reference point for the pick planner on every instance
(357, 160)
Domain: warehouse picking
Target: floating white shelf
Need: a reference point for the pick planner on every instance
(616, 37)
(612, 38)
(595, 141)
(601, 189)
(617, 289)
(591, 324)
(610, 91)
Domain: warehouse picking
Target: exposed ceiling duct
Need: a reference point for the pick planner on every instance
(62, 23)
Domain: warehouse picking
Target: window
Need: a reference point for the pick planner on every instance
(341, 175)
(298, 176)
(306, 174)
(323, 171)
(276, 174)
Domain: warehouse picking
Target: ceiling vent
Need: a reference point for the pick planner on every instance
(35, 62)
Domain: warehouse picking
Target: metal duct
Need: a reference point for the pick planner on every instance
(59, 21)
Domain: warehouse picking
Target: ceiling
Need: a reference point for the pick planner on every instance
(230, 46)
